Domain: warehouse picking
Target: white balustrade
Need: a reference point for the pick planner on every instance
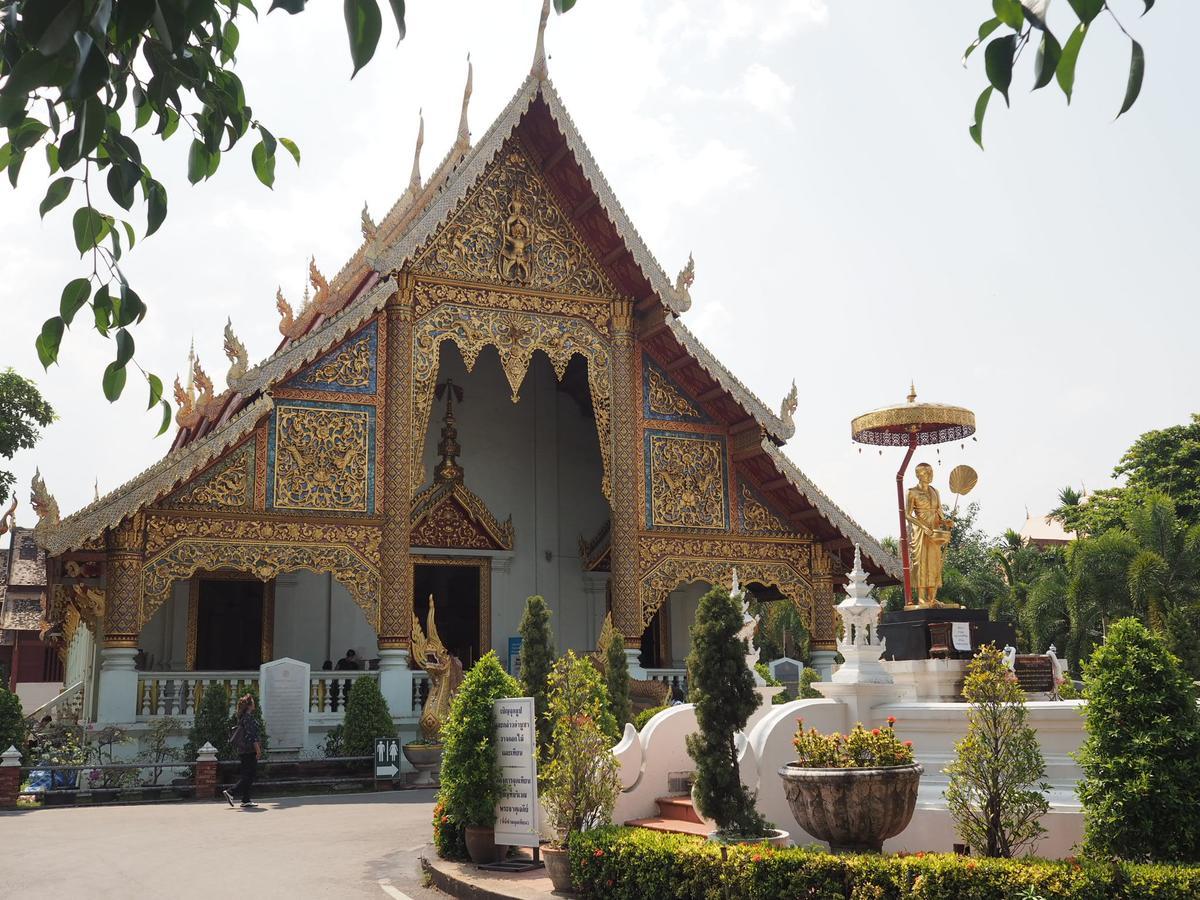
(420, 690)
(330, 690)
(676, 678)
(180, 693)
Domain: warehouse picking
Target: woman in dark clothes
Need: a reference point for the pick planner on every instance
(247, 745)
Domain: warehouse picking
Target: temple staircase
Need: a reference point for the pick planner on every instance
(676, 815)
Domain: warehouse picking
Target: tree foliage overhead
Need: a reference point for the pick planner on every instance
(1021, 23)
(22, 413)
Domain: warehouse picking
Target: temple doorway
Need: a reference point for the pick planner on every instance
(455, 588)
(229, 625)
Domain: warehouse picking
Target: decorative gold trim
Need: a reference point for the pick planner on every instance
(484, 564)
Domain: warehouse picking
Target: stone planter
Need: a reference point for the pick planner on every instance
(558, 867)
(855, 810)
(779, 838)
(426, 759)
(481, 844)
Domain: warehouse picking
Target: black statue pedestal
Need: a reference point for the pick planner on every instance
(909, 636)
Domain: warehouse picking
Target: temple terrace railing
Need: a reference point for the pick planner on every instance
(179, 693)
(675, 678)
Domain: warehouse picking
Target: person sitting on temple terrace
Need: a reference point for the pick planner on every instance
(349, 661)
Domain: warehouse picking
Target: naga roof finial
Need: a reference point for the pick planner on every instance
(368, 224)
(235, 350)
(788, 408)
(414, 180)
(9, 519)
(539, 69)
(464, 131)
(685, 279)
(205, 387)
(96, 489)
(43, 503)
(287, 317)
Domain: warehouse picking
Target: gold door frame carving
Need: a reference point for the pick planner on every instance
(267, 650)
(484, 565)
(516, 334)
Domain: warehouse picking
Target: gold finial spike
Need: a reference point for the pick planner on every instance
(539, 69)
(191, 369)
(464, 131)
(912, 392)
(414, 180)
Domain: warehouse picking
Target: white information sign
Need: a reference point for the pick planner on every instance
(516, 742)
(960, 635)
(284, 687)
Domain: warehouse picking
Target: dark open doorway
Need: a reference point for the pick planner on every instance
(229, 621)
(455, 591)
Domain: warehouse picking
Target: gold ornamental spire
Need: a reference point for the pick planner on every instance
(449, 469)
(539, 69)
(414, 180)
(464, 131)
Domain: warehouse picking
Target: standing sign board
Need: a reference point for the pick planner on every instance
(516, 744)
(387, 758)
(283, 684)
(960, 636)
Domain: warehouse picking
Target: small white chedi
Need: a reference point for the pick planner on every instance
(860, 644)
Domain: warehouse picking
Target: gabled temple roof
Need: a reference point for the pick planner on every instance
(363, 286)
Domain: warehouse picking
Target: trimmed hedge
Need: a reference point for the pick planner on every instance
(637, 864)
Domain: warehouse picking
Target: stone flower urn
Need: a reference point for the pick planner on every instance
(855, 810)
(426, 759)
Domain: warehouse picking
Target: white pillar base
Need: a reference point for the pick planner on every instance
(117, 695)
(633, 659)
(822, 661)
(395, 682)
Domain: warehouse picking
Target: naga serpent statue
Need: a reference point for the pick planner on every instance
(445, 675)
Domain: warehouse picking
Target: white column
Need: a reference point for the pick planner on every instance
(117, 695)
(395, 682)
(822, 661)
(633, 658)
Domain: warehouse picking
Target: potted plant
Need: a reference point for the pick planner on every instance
(854, 791)
(722, 689)
(580, 779)
(470, 777)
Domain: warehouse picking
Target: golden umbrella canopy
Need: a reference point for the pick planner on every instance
(931, 423)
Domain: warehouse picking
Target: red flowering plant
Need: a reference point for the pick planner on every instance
(860, 749)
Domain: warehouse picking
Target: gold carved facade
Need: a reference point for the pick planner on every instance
(687, 481)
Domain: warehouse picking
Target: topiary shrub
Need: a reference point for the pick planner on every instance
(580, 777)
(537, 656)
(807, 691)
(211, 724)
(640, 720)
(1141, 758)
(722, 689)
(616, 677)
(12, 722)
(996, 793)
(470, 774)
(367, 718)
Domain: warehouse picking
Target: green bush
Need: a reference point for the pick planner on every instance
(616, 678)
(722, 689)
(12, 722)
(334, 742)
(640, 720)
(638, 864)
(211, 724)
(367, 718)
(537, 656)
(807, 691)
(1141, 759)
(997, 795)
(470, 774)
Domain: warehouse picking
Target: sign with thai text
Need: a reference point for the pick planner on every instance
(514, 656)
(284, 687)
(516, 746)
(960, 636)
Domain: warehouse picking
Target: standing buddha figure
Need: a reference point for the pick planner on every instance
(929, 533)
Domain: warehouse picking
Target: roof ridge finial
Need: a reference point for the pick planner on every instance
(464, 131)
(414, 180)
(191, 369)
(912, 392)
(539, 69)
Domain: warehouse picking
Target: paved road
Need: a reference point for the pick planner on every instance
(365, 845)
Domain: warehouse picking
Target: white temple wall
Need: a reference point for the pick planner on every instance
(538, 460)
(316, 620)
(683, 603)
(164, 637)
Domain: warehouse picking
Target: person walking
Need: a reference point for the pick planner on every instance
(247, 744)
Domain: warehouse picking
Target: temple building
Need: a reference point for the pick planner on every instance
(496, 396)
(28, 665)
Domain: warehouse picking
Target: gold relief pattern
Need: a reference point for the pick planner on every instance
(322, 458)
(664, 400)
(515, 335)
(510, 230)
(755, 516)
(428, 295)
(627, 492)
(165, 530)
(228, 485)
(448, 525)
(395, 604)
(685, 481)
(350, 367)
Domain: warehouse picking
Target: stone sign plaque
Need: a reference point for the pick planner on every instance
(283, 687)
(517, 809)
(1034, 673)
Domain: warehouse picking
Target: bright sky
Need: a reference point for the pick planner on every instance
(815, 158)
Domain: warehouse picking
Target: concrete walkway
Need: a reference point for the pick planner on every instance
(364, 845)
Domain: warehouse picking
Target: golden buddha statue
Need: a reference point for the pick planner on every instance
(928, 535)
